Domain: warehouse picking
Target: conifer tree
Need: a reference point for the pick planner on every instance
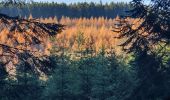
(151, 32)
(59, 85)
(86, 73)
(101, 77)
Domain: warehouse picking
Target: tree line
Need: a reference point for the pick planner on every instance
(75, 10)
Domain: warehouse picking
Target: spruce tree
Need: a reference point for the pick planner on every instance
(86, 72)
(59, 84)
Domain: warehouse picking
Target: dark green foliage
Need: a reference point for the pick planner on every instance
(152, 76)
(96, 78)
(152, 32)
(60, 83)
(122, 79)
(24, 85)
(86, 71)
(72, 10)
(3, 82)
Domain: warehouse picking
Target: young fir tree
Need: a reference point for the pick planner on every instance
(101, 77)
(85, 72)
(3, 82)
(80, 43)
(28, 85)
(59, 84)
(152, 78)
(112, 80)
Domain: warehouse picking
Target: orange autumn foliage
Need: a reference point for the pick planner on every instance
(96, 32)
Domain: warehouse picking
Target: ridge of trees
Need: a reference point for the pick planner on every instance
(73, 10)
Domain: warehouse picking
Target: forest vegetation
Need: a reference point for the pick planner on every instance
(87, 34)
(73, 10)
(50, 55)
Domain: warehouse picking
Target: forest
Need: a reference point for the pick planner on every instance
(109, 55)
(73, 10)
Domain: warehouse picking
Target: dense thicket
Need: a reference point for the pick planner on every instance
(99, 77)
(77, 10)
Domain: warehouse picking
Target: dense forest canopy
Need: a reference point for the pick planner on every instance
(140, 72)
(83, 9)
